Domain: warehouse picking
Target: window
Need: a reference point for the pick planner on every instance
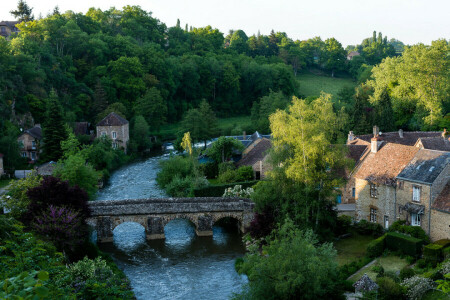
(373, 215)
(3, 30)
(33, 155)
(103, 133)
(353, 192)
(386, 222)
(416, 194)
(114, 135)
(114, 145)
(24, 154)
(373, 190)
(415, 219)
(33, 144)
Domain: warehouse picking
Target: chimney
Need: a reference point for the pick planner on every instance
(244, 134)
(374, 145)
(376, 130)
(351, 136)
(400, 133)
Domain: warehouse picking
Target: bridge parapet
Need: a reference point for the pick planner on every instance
(154, 213)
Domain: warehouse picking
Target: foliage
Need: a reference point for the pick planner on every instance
(200, 122)
(209, 169)
(368, 228)
(238, 191)
(217, 190)
(226, 166)
(406, 272)
(389, 289)
(16, 199)
(433, 253)
(266, 106)
(222, 149)
(243, 173)
(187, 143)
(414, 231)
(295, 266)
(376, 247)
(27, 285)
(179, 187)
(406, 244)
(175, 166)
(262, 224)
(417, 286)
(140, 134)
(23, 13)
(153, 108)
(444, 284)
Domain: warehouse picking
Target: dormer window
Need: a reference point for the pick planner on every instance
(373, 190)
(114, 135)
(416, 194)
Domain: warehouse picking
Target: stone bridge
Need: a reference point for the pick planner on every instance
(153, 214)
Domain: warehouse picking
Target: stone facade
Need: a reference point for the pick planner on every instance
(440, 225)
(29, 142)
(116, 128)
(154, 214)
(7, 28)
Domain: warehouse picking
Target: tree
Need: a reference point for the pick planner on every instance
(116, 107)
(384, 113)
(222, 149)
(266, 106)
(153, 108)
(295, 266)
(335, 56)
(200, 122)
(54, 130)
(100, 99)
(140, 133)
(23, 13)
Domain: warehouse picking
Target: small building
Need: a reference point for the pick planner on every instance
(441, 143)
(256, 156)
(419, 184)
(352, 54)
(116, 128)
(29, 143)
(7, 28)
(2, 170)
(365, 284)
(440, 215)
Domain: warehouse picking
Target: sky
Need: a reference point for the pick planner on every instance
(349, 21)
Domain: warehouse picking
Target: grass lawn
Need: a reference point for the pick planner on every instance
(4, 183)
(390, 263)
(170, 130)
(312, 85)
(352, 248)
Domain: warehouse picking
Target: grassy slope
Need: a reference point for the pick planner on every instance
(311, 84)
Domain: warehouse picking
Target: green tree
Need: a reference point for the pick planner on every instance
(222, 149)
(268, 105)
(23, 13)
(54, 129)
(384, 113)
(335, 56)
(200, 122)
(140, 133)
(153, 108)
(295, 266)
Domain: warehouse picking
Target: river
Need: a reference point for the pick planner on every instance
(183, 266)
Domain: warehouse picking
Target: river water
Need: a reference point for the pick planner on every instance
(183, 266)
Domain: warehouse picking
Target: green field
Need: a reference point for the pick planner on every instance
(311, 84)
(169, 131)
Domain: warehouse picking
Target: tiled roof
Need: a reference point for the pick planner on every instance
(112, 119)
(425, 166)
(409, 137)
(81, 128)
(384, 165)
(435, 143)
(35, 132)
(258, 153)
(356, 151)
(442, 201)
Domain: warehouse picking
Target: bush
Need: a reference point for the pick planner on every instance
(209, 169)
(237, 191)
(444, 243)
(179, 187)
(414, 231)
(421, 263)
(406, 244)
(417, 286)
(228, 176)
(226, 166)
(343, 224)
(174, 166)
(410, 259)
(219, 189)
(432, 253)
(378, 269)
(368, 228)
(27, 285)
(389, 289)
(245, 173)
(406, 272)
(347, 270)
(446, 253)
(261, 225)
(376, 247)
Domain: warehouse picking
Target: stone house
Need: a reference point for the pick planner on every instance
(375, 181)
(441, 143)
(352, 54)
(116, 128)
(2, 170)
(7, 28)
(29, 143)
(256, 156)
(440, 215)
(419, 184)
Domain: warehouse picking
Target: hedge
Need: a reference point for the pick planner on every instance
(217, 190)
(433, 253)
(406, 244)
(376, 247)
(444, 243)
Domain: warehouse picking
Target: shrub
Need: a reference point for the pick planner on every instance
(209, 169)
(261, 225)
(389, 289)
(218, 189)
(368, 228)
(432, 253)
(421, 263)
(226, 166)
(406, 272)
(237, 191)
(444, 243)
(343, 223)
(245, 173)
(228, 176)
(445, 268)
(174, 166)
(410, 259)
(27, 285)
(414, 231)
(378, 269)
(179, 187)
(376, 247)
(406, 244)
(446, 253)
(417, 286)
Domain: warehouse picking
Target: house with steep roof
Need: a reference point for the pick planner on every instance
(441, 143)
(29, 143)
(116, 128)
(419, 184)
(256, 155)
(440, 215)
(352, 54)
(7, 28)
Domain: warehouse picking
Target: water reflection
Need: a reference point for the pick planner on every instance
(183, 266)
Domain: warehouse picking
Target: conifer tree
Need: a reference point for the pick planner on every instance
(54, 130)
(100, 99)
(384, 113)
(23, 13)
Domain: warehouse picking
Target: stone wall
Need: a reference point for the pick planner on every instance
(347, 195)
(440, 225)
(27, 141)
(122, 134)
(262, 166)
(405, 195)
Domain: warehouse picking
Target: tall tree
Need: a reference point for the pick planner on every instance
(153, 108)
(200, 122)
(384, 113)
(100, 99)
(23, 13)
(54, 129)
